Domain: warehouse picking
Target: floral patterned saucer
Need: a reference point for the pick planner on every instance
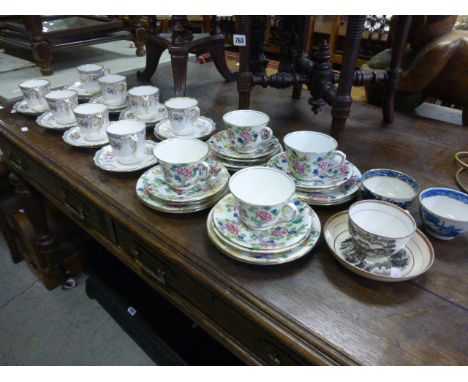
(204, 127)
(326, 181)
(48, 121)
(105, 160)
(111, 108)
(129, 114)
(222, 146)
(238, 165)
(157, 188)
(83, 94)
(413, 260)
(265, 258)
(23, 108)
(73, 137)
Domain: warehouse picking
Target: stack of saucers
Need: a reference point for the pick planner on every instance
(322, 174)
(265, 227)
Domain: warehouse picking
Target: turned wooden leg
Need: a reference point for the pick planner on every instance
(245, 77)
(153, 54)
(219, 59)
(139, 34)
(43, 56)
(179, 60)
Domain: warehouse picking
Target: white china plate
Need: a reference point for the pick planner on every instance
(48, 121)
(111, 108)
(204, 127)
(129, 114)
(73, 137)
(83, 94)
(105, 161)
(23, 108)
(413, 260)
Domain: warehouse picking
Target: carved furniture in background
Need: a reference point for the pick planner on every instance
(180, 42)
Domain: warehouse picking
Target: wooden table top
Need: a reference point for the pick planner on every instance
(313, 301)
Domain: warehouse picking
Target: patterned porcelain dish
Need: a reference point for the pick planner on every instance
(83, 94)
(182, 113)
(73, 138)
(129, 114)
(23, 108)
(112, 108)
(265, 258)
(156, 186)
(379, 229)
(204, 127)
(34, 92)
(415, 258)
(390, 186)
(444, 212)
(106, 161)
(61, 104)
(48, 121)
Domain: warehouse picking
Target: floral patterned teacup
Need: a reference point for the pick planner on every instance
(263, 196)
(113, 89)
(183, 112)
(183, 162)
(61, 104)
(89, 75)
(127, 139)
(247, 129)
(312, 154)
(34, 92)
(92, 119)
(144, 101)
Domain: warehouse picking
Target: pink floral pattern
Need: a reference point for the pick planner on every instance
(184, 172)
(232, 228)
(246, 135)
(264, 215)
(299, 167)
(324, 164)
(280, 232)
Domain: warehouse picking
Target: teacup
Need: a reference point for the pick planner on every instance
(263, 196)
(379, 229)
(92, 119)
(247, 129)
(127, 139)
(182, 112)
(61, 104)
(144, 101)
(113, 89)
(311, 154)
(183, 162)
(34, 92)
(89, 75)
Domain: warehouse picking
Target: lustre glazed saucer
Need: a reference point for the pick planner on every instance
(23, 108)
(282, 236)
(83, 94)
(74, 138)
(204, 127)
(129, 114)
(106, 161)
(48, 121)
(265, 258)
(156, 187)
(414, 259)
(111, 108)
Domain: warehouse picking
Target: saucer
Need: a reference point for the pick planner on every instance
(204, 127)
(23, 108)
(157, 188)
(111, 108)
(266, 258)
(326, 181)
(73, 137)
(239, 165)
(83, 94)
(129, 114)
(105, 160)
(413, 260)
(222, 146)
(48, 121)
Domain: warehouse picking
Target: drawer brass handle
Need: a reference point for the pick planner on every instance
(158, 275)
(273, 356)
(78, 212)
(16, 162)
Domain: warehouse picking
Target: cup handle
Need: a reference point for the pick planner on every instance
(266, 134)
(294, 211)
(194, 114)
(340, 154)
(107, 71)
(205, 171)
(134, 142)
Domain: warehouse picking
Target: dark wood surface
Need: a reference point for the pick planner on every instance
(313, 307)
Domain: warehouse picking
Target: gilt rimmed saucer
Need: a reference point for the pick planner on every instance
(111, 108)
(265, 258)
(156, 187)
(48, 121)
(74, 138)
(106, 161)
(83, 94)
(414, 259)
(23, 108)
(221, 144)
(235, 166)
(129, 114)
(204, 127)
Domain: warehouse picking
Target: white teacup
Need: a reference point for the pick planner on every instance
(113, 89)
(61, 104)
(34, 92)
(144, 101)
(92, 119)
(89, 75)
(127, 139)
(263, 196)
(183, 112)
(311, 154)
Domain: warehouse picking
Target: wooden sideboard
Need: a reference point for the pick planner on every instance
(311, 311)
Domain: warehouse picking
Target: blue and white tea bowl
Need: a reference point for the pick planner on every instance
(390, 186)
(444, 212)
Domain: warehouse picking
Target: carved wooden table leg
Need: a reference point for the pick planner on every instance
(179, 60)
(245, 77)
(139, 33)
(33, 206)
(153, 54)
(219, 58)
(40, 48)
